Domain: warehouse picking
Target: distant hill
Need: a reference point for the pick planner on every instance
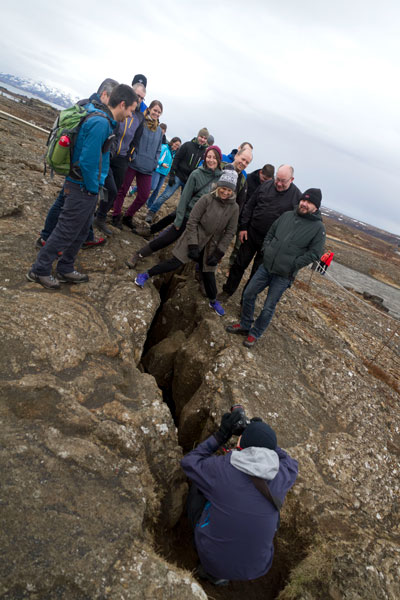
(386, 236)
(39, 89)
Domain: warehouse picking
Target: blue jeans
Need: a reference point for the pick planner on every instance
(156, 182)
(260, 280)
(167, 193)
(53, 216)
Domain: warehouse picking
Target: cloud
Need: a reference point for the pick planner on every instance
(308, 83)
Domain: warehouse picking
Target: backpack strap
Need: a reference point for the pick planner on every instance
(75, 170)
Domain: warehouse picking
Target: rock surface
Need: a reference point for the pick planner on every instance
(90, 453)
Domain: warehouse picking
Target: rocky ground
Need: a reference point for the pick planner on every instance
(95, 378)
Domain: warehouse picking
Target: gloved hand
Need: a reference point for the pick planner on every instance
(228, 422)
(171, 180)
(214, 258)
(194, 252)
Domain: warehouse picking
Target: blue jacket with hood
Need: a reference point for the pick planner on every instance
(166, 158)
(89, 146)
(234, 536)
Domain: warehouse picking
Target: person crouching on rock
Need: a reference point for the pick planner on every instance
(209, 230)
(235, 499)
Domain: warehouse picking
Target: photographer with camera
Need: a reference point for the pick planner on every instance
(233, 510)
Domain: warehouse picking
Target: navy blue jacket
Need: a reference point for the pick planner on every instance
(234, 537)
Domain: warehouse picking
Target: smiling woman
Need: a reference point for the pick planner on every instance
(144, 162)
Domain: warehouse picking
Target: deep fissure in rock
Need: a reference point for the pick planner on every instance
(176, 544)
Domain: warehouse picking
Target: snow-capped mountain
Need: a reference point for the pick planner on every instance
(38, 88)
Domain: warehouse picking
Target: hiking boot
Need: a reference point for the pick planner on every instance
(93, 243)
(116, 221)
(215, 305)
(218, 581)
(149, 217)
(249, 341)
(100, 223)
(47, 281)
(141, 279)
(126, 220)
(73, 277)
(236, 328)
(132, 262)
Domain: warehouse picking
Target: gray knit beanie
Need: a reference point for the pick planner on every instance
(228, 179)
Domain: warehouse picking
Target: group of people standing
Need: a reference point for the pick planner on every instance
(218, 201)
(272, 223)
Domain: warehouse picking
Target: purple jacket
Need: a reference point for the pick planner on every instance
(129, 133)
(234, 536)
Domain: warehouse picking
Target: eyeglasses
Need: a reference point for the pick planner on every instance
(141, 98)
(284, 181)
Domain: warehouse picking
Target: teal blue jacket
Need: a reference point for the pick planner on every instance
(89, 147)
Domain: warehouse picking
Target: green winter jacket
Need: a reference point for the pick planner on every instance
(292, 242)
(199, 183)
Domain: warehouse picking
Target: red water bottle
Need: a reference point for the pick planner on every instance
(64, 141)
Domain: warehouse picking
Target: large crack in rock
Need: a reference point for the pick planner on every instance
(92, 492)
(339, 534)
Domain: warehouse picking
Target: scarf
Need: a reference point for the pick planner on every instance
(150, 123)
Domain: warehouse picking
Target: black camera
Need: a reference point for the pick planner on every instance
(243, 422)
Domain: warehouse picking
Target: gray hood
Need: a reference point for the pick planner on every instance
(260, 462)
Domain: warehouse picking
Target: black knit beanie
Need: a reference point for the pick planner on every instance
(313, 195)
(258, 433)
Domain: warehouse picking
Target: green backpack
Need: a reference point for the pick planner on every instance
(62, 139)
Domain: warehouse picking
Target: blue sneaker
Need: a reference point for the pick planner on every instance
(215, 305)
(141, 279)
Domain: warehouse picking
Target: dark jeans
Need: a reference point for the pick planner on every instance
(53, 216)
(250, 248)
(70, 232)
(110, 193)
(163, 223)
(276, 286)
(119, 165)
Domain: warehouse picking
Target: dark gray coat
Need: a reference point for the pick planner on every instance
(212, 224)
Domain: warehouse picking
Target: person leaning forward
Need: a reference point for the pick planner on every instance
(294, 240)
(90, 152)
(234, 524)
(268, 202)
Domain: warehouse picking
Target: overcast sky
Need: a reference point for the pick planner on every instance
(312, 84)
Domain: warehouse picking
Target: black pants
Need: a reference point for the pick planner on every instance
(167, 237)
(171, 264)
(163, 223)
(119, 164)
(250, 248)
(110, 194)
